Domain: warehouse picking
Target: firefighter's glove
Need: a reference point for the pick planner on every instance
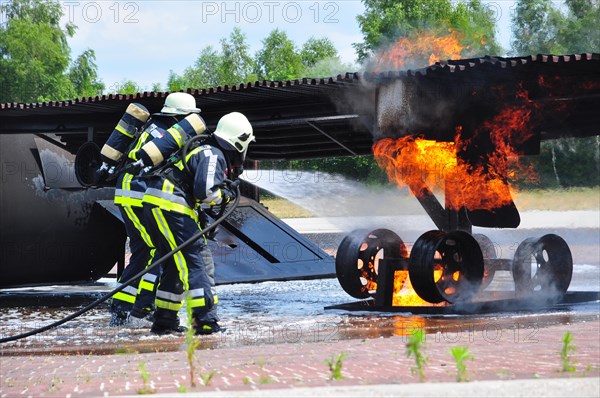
(134, 168)
(108, 162)
(101, 173)
(226, 196)
(143, 156)
(202, 219)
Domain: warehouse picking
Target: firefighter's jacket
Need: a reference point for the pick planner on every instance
(175, 190)
(130, 190)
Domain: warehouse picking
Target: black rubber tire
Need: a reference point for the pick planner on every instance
(543, 266)
(353, 256)
(489, 252)
(87, 161)
(459, 256)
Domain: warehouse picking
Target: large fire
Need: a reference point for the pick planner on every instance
(475, 169)
(420, 50)
(421, 164)
(482, 185)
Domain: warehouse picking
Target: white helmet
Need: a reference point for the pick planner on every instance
(179, 104)
(235, 131)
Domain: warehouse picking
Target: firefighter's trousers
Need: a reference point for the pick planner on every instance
(140, 294)
(188, 275)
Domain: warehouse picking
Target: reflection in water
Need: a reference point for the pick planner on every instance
(405, 325)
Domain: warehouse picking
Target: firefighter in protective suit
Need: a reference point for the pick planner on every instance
(137, 130)
(172, 206)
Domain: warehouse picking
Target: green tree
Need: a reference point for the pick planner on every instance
(540, 27)
(127, 87)
(328, 67)
(156, 87)
(568, 162)
(476, 23)
(320, 59)
(206, 70)
(536, 24)
(231, 65)
(236, 65)
(580, 32)
(359, 168)
(385, 21)
(315, 50)
(34, 53)
(84, 77)
(278, 59)
(176, 82)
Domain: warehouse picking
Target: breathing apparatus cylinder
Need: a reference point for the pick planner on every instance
(154, 152)
(93, 166)
(124, 133)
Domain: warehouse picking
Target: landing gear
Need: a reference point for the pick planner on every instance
(449, 267)
(489, 254)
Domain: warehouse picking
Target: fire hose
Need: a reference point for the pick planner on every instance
(152, 266)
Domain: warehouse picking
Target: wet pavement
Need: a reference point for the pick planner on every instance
(267, 313)
(280, 335)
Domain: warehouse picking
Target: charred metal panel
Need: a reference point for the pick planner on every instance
(50, 235)
(562, 92)
(419, 107)
(253, 245)
(57, 165)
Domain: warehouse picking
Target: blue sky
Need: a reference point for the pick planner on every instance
(144, 40)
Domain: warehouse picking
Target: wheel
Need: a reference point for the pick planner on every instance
(446, 266)
(357, 259)
(489, 253)
(87, 161)
(543, 266)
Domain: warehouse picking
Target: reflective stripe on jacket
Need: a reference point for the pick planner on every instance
(130, 189)
(208, 166)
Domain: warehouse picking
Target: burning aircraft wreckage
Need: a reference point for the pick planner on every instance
(457, 125)
(460, 126)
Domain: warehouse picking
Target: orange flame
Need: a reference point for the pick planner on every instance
(404, 294)
(420, 51)
(415, 162)
(419, 163)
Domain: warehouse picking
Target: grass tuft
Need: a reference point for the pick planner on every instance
(335, 366)
(415, 348)
(565, 353)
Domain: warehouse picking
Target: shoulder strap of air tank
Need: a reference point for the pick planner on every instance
(177, 156)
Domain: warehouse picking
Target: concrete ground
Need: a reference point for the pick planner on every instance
(584, 387)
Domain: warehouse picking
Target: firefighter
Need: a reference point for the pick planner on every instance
(137, 130)
(173, 209)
